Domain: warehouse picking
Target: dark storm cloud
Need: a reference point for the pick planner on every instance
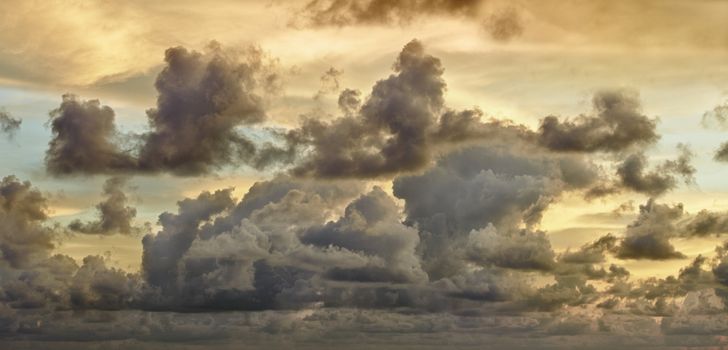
(115, 216)
(203, 100)
(84, 139)
(616, 125)
(9, 125)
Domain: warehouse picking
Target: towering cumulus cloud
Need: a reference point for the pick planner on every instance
(390, 132)
(204, 99)
(397, 128)
(471, 189)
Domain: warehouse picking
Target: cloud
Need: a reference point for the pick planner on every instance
(349, 101)
(84, 134)
(617, 125)
(718, 115)
(721, 154)
(504, 25)
(501, 23)
(648, 236)
(23, 240)
(633, 174)
(516, 250)
(390, 132)
(371, 226)
(324, 248)
(366, 12)
(471, 188)
(114, 214)
(96, 286)
(9, 125)
(203, 100)
(329, 83)
(399, 128)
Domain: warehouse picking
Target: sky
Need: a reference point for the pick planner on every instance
(314, 174)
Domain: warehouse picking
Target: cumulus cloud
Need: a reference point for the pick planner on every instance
(33, 279)
(400, 127)
(648, 237)
(203, 100)
(634, 174)
(324, 247)
(370, 225)
(390, 132)
(471, 188)
(84, 139)
(8, 124)
(23, 238)
(115, 216)
(522, 249)
(616, 125)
